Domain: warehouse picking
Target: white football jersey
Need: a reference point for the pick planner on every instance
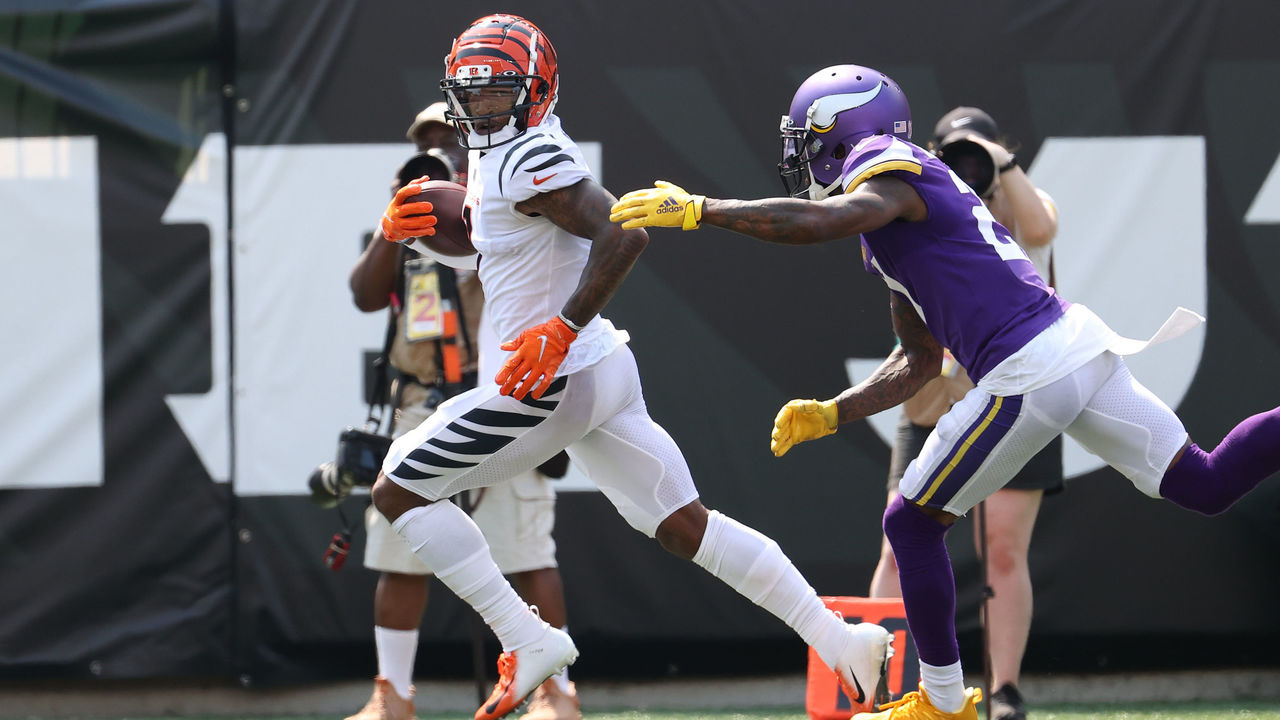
(529, 266)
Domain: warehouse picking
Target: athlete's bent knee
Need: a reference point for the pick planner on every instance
(681, 532)
(1191, 483)
(392, 500)
(905, 522)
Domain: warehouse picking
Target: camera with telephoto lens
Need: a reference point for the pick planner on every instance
(360, 454)
(972, 162)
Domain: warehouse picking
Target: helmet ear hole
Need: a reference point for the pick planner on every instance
(839, 151)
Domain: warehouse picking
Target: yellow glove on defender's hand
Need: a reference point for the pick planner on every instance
(801, 420)
(663, 205)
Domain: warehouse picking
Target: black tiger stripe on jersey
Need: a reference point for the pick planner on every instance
(502, 169)
(534, 152)
(555, 160)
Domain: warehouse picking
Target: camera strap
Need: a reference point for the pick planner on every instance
(378, 393)
(449, 353)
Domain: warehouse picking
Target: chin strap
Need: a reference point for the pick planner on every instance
(822, 192)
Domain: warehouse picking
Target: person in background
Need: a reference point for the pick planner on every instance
(517, 518)
(431, 130)
(968, 141)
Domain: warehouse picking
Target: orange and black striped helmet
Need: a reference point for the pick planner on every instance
(501, 79)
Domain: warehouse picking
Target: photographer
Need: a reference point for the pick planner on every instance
(517, 517)
(966, 139)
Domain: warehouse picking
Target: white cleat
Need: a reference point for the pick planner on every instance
(863, 663)
(522, 670)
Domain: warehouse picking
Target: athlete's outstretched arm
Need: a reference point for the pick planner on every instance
(914, 362)
(873, 204)
(583, 209)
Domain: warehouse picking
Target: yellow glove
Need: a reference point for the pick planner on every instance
(663, 205)
(801, 420)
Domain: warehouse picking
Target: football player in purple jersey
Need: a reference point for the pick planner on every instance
(1043, 366)
(968, 140)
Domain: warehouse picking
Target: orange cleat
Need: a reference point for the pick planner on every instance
(523, 669)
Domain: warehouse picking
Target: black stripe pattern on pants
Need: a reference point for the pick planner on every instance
(475, 435)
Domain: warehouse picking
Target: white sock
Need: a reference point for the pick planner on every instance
(396, 651)
(944, 686)
(451, 545)
(756, 567)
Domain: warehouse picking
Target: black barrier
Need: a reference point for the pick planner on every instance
(149, 565)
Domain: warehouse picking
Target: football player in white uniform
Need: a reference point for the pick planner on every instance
(550, 261)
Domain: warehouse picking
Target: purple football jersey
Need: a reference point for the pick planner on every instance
(973, 285)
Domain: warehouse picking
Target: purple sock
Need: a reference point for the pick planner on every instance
(1209, 483)
(928, 586)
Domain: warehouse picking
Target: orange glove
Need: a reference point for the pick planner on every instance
(536, 355)
(403, 221)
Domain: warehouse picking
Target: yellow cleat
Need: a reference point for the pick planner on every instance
(916, 706)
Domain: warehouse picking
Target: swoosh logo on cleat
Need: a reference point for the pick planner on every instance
(500, 692)
(857, 686)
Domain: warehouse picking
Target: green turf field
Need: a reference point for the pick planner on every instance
(1146, 711)
(1254, 710)
(1143, 711)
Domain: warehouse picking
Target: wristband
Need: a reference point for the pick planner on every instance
(572, 325)
(1013, 163)
(693, 212)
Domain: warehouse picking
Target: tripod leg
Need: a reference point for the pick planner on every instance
(983, 617)
(477, 657)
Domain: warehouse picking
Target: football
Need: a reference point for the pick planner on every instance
(451, 238)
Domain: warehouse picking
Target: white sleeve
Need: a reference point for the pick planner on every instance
(541, 163)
